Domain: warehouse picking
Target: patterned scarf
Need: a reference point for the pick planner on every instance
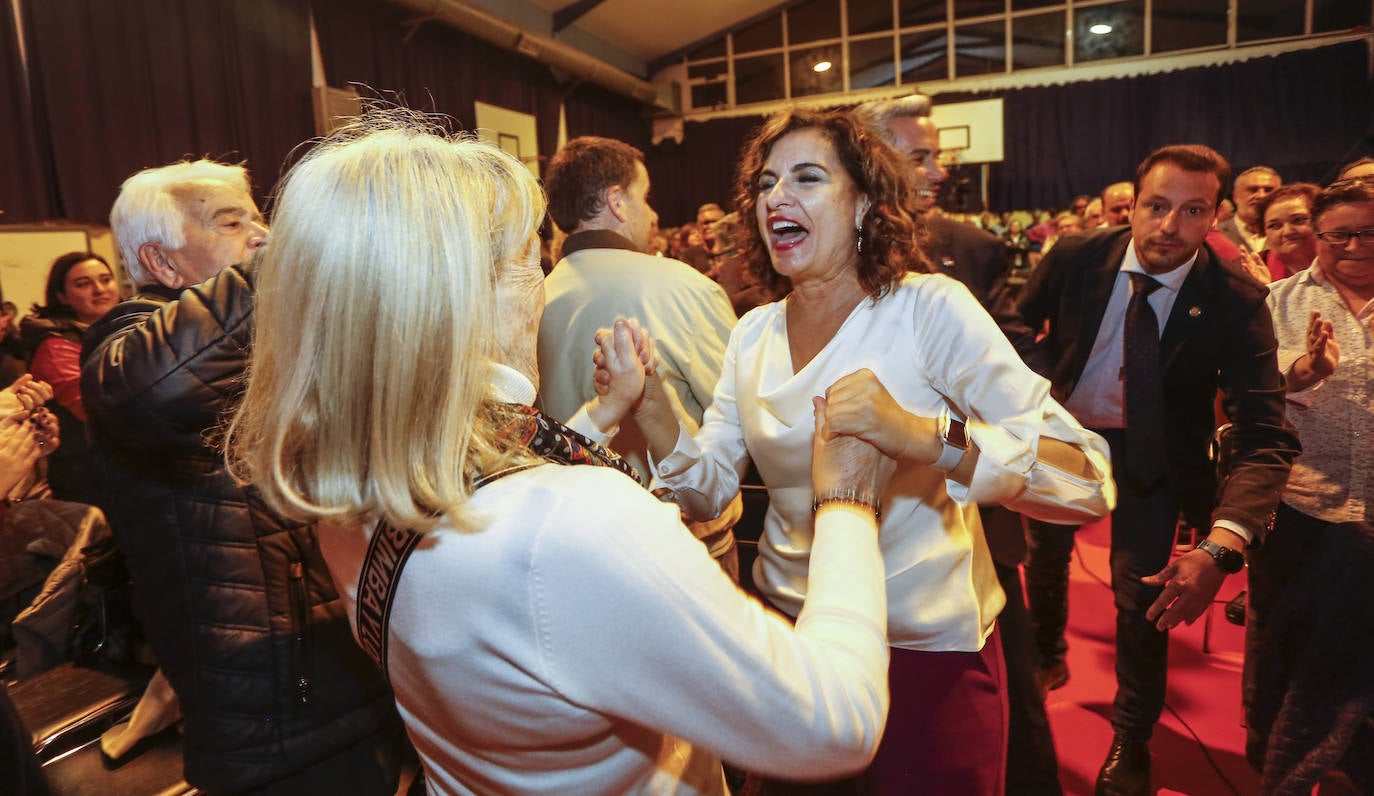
(553, 442)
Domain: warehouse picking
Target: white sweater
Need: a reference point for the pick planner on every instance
(583, 642)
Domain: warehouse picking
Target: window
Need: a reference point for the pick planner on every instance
(1268, 19)
(758, 79)
(989, 37)
(1115, 30)
(869, 17)
(814, 20)
(924, 57)
(871, 64)
(1186, 24)
(762, 35)
(980, 48)
(816, 70)
(1037, 40)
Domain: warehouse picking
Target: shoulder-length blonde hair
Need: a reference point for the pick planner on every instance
(894, 240)
(375, 325)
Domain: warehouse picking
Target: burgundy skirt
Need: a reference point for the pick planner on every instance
(946, 732)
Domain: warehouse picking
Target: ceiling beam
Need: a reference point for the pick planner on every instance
(572, 12)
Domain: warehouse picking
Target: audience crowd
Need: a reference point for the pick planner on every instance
(416, 479)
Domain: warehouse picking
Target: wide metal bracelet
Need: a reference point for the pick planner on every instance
(852, 497)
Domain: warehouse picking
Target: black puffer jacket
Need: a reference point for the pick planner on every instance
(237, 603)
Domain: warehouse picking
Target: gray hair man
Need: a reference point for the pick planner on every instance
(236, 602)
(974, 257)
(1246, 228)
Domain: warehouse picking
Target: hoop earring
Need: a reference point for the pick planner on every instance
(859, 244)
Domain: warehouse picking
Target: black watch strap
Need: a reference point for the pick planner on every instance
(1230, 561)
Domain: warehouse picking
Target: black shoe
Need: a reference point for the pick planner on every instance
(1052, 677)
(1126, 771)
(1235, 609)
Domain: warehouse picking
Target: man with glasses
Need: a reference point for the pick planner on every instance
(1313, 554)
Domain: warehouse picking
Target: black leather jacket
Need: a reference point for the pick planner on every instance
(236, 602)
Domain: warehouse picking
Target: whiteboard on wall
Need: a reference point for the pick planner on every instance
(26, 254)
(510, 130)
(970, 132)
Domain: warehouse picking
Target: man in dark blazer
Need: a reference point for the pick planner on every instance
(1208, 329)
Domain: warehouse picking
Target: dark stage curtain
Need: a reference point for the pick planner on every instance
(701, 169)
(592, 110)
(1303, 113)
(25, 169)
(128, 84)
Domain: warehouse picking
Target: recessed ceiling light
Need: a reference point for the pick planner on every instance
(822, 66)
(1101, 29)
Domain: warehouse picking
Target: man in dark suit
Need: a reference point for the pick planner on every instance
(1145, 325)
(979, 260)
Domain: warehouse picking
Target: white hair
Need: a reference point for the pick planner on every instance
(146, 211)
(877, 114)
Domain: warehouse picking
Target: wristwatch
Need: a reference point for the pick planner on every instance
(1230, 561)
(953, 441)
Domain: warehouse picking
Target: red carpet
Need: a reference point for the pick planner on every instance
(1204, 691)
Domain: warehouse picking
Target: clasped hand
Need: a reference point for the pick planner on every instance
(860, 406)
(624, 358)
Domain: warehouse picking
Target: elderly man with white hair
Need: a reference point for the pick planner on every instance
(236, 601)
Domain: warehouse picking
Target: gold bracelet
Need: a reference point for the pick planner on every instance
(850, 497)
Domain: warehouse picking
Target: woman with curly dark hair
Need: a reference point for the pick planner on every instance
(910, 362)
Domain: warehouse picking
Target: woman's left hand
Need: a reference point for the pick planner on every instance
(860, 406)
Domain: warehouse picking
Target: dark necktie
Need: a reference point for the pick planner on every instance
(1144, 386)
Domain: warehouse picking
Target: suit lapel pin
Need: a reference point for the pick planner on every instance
(1194, 312)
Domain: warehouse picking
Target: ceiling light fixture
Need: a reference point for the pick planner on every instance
(1101, 29)
(822, 66)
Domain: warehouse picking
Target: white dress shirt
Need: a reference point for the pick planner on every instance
(931, 345)
(1098, 401)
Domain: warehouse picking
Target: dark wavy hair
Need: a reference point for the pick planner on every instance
(53, 306)
(894, 239)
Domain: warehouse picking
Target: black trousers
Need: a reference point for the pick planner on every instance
(1032, 767)
(1143, 526)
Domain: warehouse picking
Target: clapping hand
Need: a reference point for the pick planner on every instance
(24, 395)
(19, 449)
(1253, 265)
(1323, 353)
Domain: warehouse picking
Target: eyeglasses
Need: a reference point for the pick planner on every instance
(1341, 237)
